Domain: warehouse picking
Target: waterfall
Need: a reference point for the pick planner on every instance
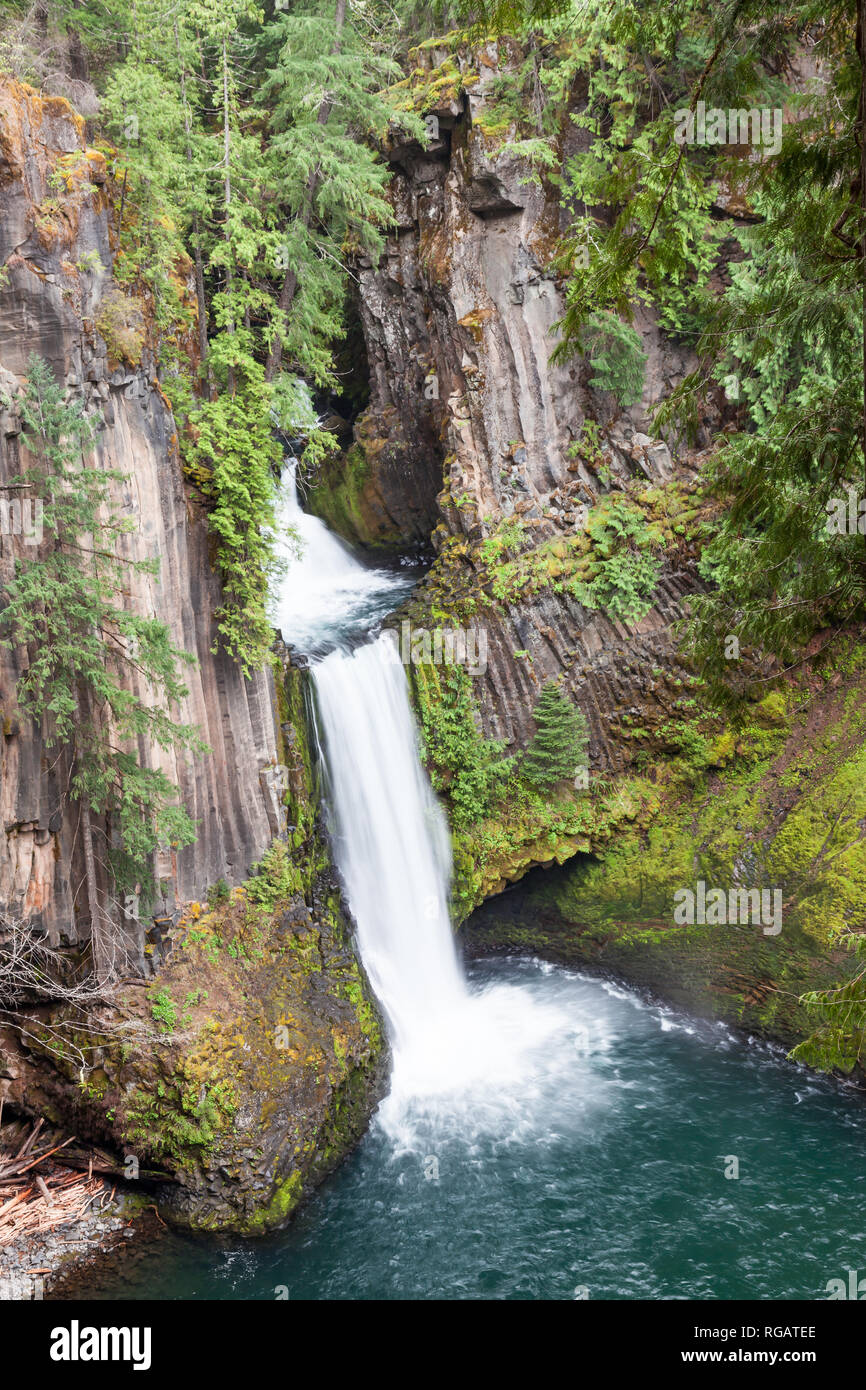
(390, 834)
(325, 593)
(391, 841)
(460, 1054)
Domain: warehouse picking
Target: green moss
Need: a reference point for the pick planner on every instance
(302, 798)
(541, 830)
(772, 709)
(368, 1016)
(428, 87)
(276, 1213)
(790, 821)
(340, 497)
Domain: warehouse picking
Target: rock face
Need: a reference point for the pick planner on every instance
(57, 298)
(241, 1080)
(781, 812)
(250, 1061)
(465, 403)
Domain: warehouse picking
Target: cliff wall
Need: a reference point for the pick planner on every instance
(58, 297)
(467, 408)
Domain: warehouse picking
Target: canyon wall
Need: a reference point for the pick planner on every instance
(57, 292)
(251, 1060)
(466, 404)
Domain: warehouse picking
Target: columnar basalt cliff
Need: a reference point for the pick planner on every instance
(459, 322)
(248, 1061)
(249, 1066)
(57, 299)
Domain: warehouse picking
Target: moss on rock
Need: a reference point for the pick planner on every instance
(341, 497)
(783, 809)
(250, 1064)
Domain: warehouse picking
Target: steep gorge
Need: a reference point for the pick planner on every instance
(57, 247)
(467, 408)
(459, 326)
(472, 440)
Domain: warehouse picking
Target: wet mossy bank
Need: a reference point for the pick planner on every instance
(777, 803)
(234, 1079)
(730, 974)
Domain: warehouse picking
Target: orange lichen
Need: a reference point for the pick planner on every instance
(475, 321)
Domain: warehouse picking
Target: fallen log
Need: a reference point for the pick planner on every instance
(30, 1140)
(55, 1150)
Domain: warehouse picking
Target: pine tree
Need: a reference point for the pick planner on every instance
(558, 748)
(88, 655)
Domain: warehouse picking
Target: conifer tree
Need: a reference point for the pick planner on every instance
(558, 747)
(251, 148)
(323, 88)
(88, 656)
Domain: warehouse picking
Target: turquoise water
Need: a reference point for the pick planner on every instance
(598, 1166)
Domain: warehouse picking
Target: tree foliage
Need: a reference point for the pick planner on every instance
(244, 157)
(558, 747)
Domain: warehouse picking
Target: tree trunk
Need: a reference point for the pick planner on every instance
(290, 283)
(102, 943)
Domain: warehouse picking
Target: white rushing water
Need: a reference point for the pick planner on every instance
(325, 592)
(456, 1053)
(392, 838)
(461, 1058)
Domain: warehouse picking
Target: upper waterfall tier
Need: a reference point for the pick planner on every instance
(326, 595)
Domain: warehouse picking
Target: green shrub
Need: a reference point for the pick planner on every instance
(625, 569)
(468, 768)
(164, 1011)
(218, 892)
(272, 879)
